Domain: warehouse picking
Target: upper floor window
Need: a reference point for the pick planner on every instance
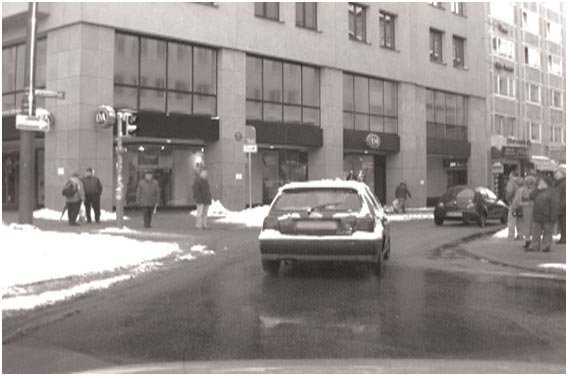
(387, 30)
(530, 22)
(436, 4)
(553, 32)
(502, 10)
(436, 45)
(504, 126)
(503, 47)
(535, 131)
(282, 92)
(270, 11)
(164, 76)
(556, 97)
(557, 134)
(446, 115)
(554, 65)
(458, 51)
(306, 15)
(369, 104)
(532, 57)
(533, 93)
(505, 86)
(357, 22)
(458, 8)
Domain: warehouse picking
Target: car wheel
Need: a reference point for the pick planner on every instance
(438, 221)
(482, 219)
(378, 266)
(387, 248)
(504, 218)
(271, 266)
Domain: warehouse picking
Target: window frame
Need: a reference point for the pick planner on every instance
(458, 8)
(530, 124)
(528, 15)
(550, 64)
(304, 20)
(462, 40)
(528, 91)
(552, 98)
(264, 14)
(527, 50)
(383, 24)
(432, 55)
(498, 41)
(433, 126)
(364, 9)
(509, 93)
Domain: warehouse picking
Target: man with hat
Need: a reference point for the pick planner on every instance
(560, 189)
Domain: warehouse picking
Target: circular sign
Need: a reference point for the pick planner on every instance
(105, 116)
(373, 141)
(45, 116)
(238, 136)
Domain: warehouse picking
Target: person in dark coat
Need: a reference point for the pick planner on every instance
(93, 190)
(546, 210)
(560, 190)
(202, 196)
(402, 194)
(147, 196)
(74, 196)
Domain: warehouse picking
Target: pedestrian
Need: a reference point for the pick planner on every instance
(511, 188)
(202, 196)
(93, 190)
(147, 196)
(560, 190)
(546, 210)
(402, 194)
(74, 197)
(522, 208)
(350, 175)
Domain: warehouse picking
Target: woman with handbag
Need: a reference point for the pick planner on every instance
(523, 209)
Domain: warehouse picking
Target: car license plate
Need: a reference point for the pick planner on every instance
(316, 225)
(453, 215)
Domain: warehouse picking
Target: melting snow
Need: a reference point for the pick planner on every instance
(54, 215)
(199, 248)
(216, 209)
(553, 266)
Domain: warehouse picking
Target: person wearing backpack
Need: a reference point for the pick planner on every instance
(74, 196)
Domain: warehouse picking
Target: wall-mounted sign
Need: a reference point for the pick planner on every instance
(515, 152)
(250, 137)
(515, 142)
(497, 168)
(237, 136)
(373, 141)
(455, 164)
(105, 116)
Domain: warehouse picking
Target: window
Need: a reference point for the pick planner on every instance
(458, 52)
(557, 134)
(502, 10)
(503, 47)
(270, 11)
(436, 4)
(446, 115)
(369, 104)
(505, 86)
(306, 15)
(504, 126)
(554, 65)
(531, 57)
(282, 92)
(13, 66)
(357, 22)
(387, 30)
(530, 22)
(553, 32)
(436, 45)
(535, 131)
(556, 97)
(162, 76)
(533, 93)
(458, 8)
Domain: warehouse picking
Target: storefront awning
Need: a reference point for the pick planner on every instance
(543, 163)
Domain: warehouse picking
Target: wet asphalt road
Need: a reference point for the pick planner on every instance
(431, 303)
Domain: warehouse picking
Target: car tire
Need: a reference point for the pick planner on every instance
(271, 267)
(387, 248)
(504, 219)
(482, 219)
(438, 221)
(378, 266)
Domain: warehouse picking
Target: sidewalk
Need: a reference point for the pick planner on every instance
(499, 250)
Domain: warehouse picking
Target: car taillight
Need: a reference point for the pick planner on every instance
(364, 224)
(271, 223)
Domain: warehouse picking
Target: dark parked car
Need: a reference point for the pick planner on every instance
(327, 220)
(467, 204)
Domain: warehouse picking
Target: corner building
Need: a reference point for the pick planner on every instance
(389, 91)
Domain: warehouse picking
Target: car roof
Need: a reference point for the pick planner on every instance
(327, 183)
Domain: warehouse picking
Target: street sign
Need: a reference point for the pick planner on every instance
(105, 116)
(49, 94)
(31, 123)
(11, 112)
(250, 148)
(250, 136)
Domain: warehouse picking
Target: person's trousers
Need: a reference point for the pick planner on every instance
(73, 209)
(512, 225)
(148, 211)
(402, 203)
(561, 224)
(94, 202)
(202, 211)
(542, 235)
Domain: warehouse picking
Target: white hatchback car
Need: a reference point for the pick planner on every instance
(325, 220)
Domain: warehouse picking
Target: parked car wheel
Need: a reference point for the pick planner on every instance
(482, 219)
(504, 219)
(271, 267)
(378, 266)
(387, 248)
(438, 221)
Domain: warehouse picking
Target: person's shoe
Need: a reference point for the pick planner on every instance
(98, 221)
(88, 221)
(531, 250)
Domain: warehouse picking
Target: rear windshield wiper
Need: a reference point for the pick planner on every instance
(321, 206)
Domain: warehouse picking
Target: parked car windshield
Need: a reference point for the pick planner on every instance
(321, 199)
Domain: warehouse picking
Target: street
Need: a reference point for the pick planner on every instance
(432, 303)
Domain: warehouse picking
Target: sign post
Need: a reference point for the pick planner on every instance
(249, 148)
(119, 183)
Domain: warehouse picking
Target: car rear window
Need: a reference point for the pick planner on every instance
(452, 193)
(321, 199)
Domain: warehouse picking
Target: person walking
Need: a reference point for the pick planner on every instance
(74, 197)
(202, 196)
(402, 194)
(511, 188)
(93, 190)
(560, 191)
(523, 210)
(546, 210)
(147, 196)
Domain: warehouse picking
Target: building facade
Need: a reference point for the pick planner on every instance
(527, 82)
(385, 91)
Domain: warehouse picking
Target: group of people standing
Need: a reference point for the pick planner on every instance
(85, 190)
(536, 206)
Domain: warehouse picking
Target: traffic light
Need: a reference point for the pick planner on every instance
(131, 127)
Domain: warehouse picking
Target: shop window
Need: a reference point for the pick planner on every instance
(446, 115)
(357, 22)
(306, 15)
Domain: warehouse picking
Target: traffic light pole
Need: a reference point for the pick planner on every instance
(121, 120)
(26, 199)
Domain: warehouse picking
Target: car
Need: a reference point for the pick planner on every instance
(467, 204)
(325, 220)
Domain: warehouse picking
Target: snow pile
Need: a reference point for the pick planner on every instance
(32, 255)
(202, 249)
(54, 215)
(503, 234)
(253, 217)
(216, 209)
(553, 266)
(405, 217)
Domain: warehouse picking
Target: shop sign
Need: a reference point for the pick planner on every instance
(373, 141)
(250, 148)
(105, 116)
(497, 168)
(514, 152)
(515, 142)
(49, 94)
(457, 164)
